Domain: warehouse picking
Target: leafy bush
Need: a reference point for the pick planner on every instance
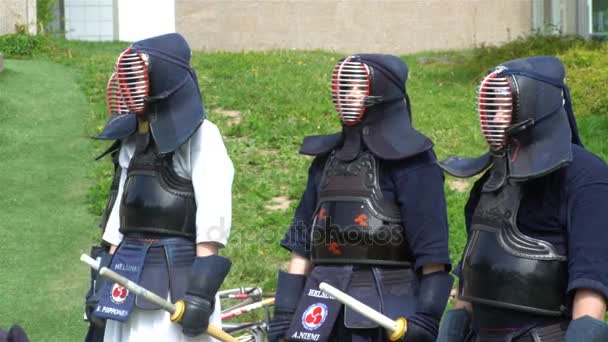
(488, 56)
(587, 76)
(20, 45)
(585, 62)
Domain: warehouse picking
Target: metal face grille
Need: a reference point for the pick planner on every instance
(350, 85)
(495, 109)
(116, 105)
(130, 84)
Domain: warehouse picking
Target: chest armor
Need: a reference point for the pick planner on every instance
(504, 268)
(353, 224)
(155, 199)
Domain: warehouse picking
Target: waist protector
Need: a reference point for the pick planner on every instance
(353, 224)
(504, 268)
(155, 199)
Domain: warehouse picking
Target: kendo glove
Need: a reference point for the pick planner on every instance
(207, 276)
(423, 325)
(289, 289)
(586, 329)
(455, 326)
(97, 284)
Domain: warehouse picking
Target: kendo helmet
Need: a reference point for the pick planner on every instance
(153, 79)
(525, 114)
(522, 102)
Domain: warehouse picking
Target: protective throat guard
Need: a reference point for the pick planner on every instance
(353, 224)
(172, 102)
(539, 139)
(382, 121)
(155, 199)
(499, 258)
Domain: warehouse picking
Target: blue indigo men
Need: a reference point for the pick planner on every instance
(172, 209)
(372, 220)
(534, 267)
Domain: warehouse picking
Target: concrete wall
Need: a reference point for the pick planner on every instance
(17, 12)
(558, 16)
(569, 16)
(349, 26)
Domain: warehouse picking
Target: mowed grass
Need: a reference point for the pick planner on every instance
(264, 104)
(44, 221)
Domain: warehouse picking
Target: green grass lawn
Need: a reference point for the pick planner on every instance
(44, 221)
(264, 104)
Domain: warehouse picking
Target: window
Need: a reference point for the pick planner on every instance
(598, 17)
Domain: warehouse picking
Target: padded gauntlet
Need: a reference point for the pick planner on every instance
(434, 292)
(289, 289)
(207, 276)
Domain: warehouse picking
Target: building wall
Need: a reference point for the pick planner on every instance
(17, 12)
(569, 15)
(558, 16)
(349, 26)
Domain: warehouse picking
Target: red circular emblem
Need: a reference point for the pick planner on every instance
(119, 294)
(314, 316)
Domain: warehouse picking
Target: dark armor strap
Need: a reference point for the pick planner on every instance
(156, 200)
(353, 224)
(504, 268)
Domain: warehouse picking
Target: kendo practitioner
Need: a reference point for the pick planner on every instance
(172, 209)
(14, 334)
(535, 267)
(372, 220)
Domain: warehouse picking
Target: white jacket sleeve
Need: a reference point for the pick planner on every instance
(212, 174)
